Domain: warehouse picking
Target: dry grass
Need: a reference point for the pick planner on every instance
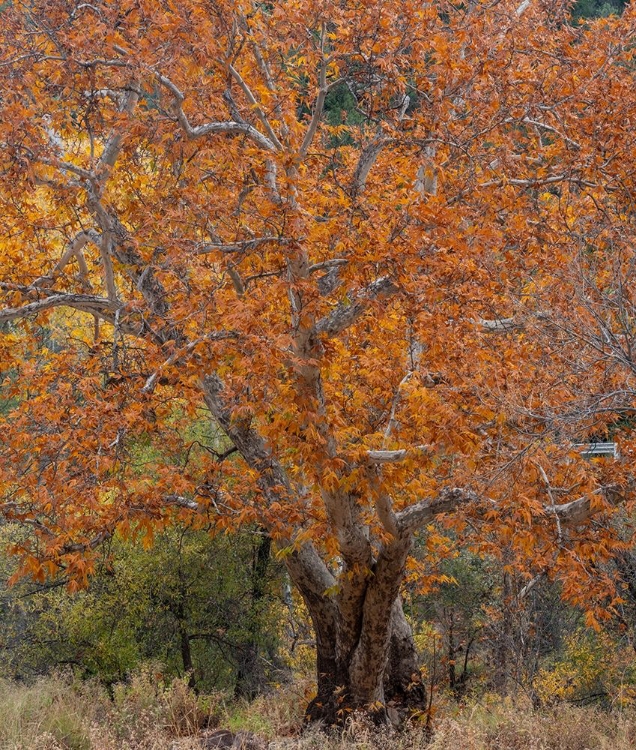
(501, 727)
(59, 713)
(505, 727)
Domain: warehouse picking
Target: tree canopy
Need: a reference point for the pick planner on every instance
(222, 300)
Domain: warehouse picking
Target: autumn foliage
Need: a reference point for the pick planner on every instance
(225, 298)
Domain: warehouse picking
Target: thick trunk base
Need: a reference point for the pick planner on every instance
(399, 688)
(336, 708)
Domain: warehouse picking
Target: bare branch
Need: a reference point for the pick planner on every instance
(256, 106)
(545, 126)
(529, 586)
(271, 176)
(327, 264)
(574, 512)
(424, 512)
(500, 325)
(182, 502)
(107, 262)
(367, 159)
(396, 400)
(320, 99)
(548, 487)
(388, 519)
(116, 140)
(426, 179)
(73, 249)
(533, 182)
(91, 544)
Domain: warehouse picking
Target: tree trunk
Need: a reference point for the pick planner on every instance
(343, 688)
(501, 672)
(379, 671)
(250, 678)
(365, 654)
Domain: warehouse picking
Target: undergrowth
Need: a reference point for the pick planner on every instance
(62, 713)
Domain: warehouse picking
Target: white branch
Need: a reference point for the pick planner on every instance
(367, 159)
(231, 127)
(394, 456)
(384, 509)
(499, 325)
(73, 249)
(182, 502)
(84, 302)
(529, 586)
(573, 513)
(424, 512)
(396, 401)
(327, 264)
(107, 262)
(320, 99)
(256, 106)
(548, 487)
(533, 182)
(545, 126)
(115, 142)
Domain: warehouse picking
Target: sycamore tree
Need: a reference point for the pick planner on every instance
(227, 301)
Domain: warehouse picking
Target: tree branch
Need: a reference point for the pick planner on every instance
(243, 246)
(320, 99)
(499, 325)
(231, 127)
(84, 302)
(115, 142)
(424, 512)
(256, 106)
(366, 161)
(182, 351)
(335, 262)
(346, 313)
(394, 456)
(573, 513)
(73, 249)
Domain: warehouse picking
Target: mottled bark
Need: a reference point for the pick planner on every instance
(402, 682)
(391, 688)
(382, 667)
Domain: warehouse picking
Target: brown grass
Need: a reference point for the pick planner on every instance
(60, 713)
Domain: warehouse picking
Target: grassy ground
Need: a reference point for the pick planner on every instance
(59, 713)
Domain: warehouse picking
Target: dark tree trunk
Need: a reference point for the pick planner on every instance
(250, 679)
(186, 657)
(402, 679)
(380, 672)
(452, 672)
(501, 673)
(398, 690)
(184, 643)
